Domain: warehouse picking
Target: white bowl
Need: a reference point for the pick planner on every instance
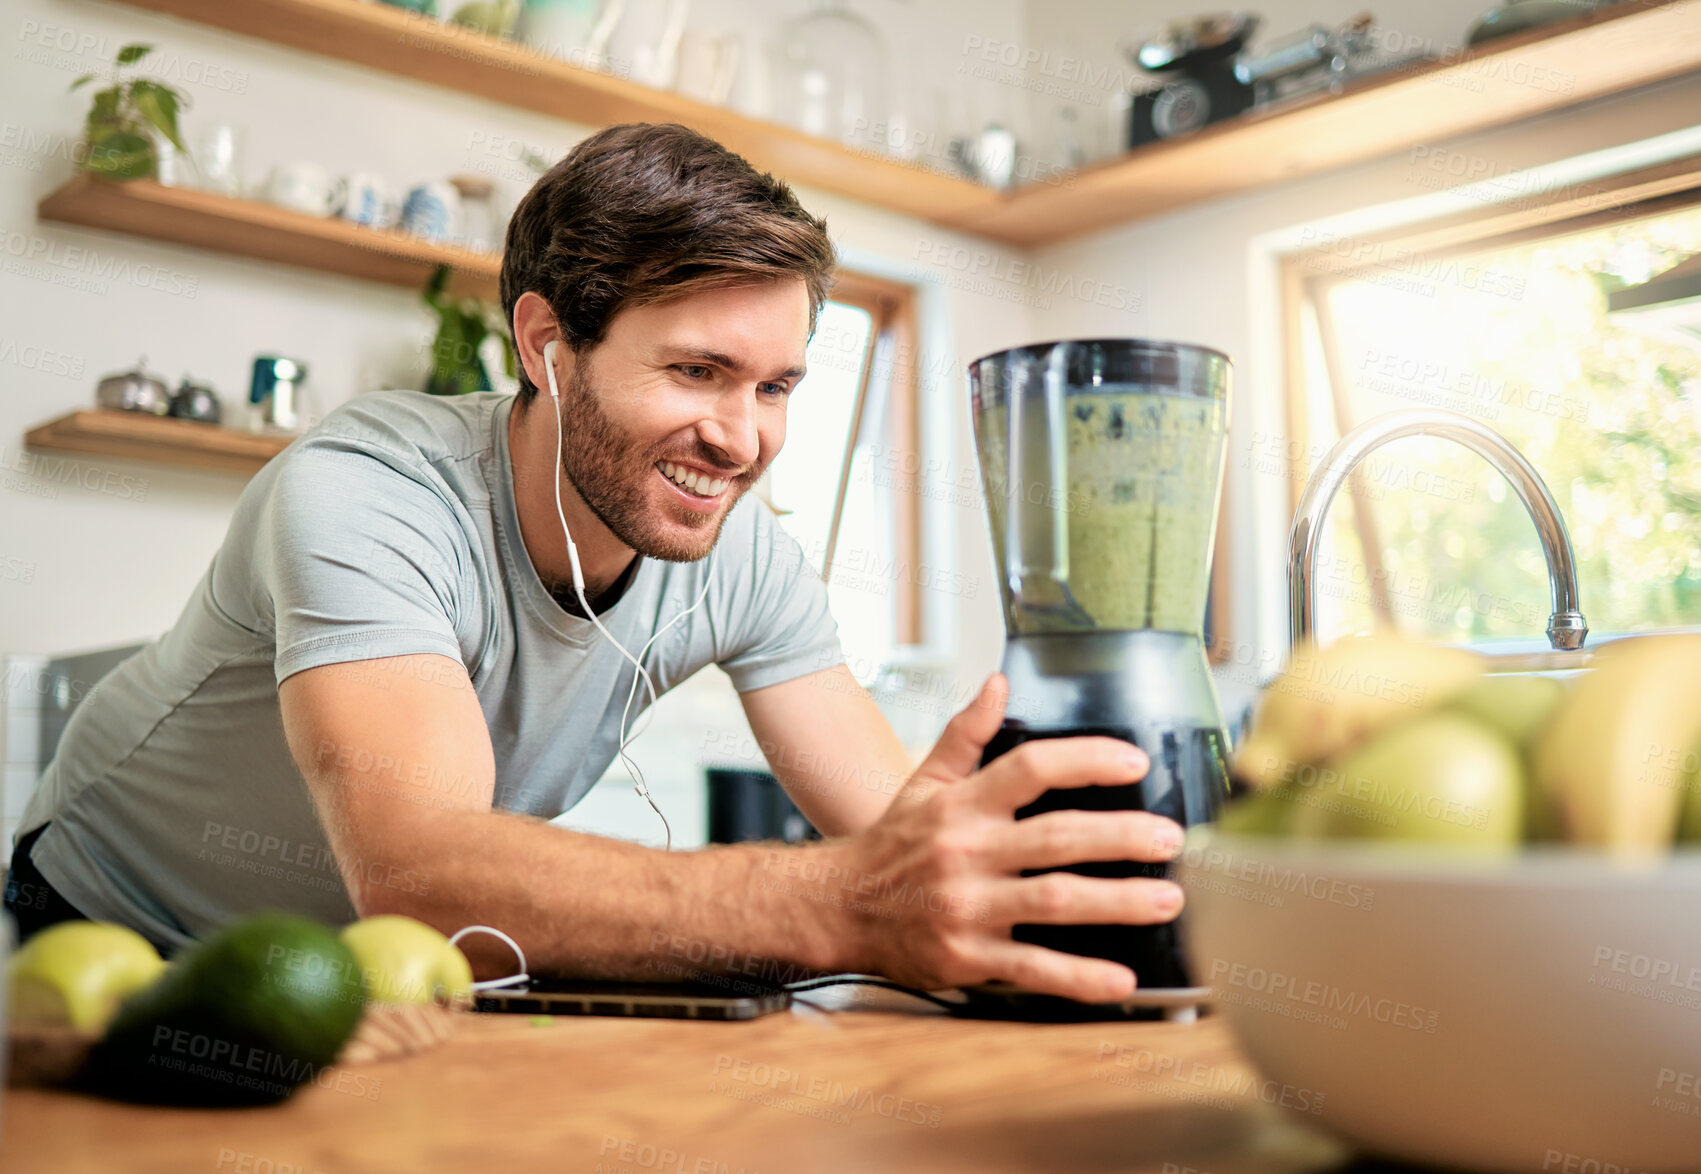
(1541, 1013)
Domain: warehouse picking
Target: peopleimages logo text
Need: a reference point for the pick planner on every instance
(1322, 996)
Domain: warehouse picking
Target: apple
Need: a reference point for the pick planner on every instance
(1516, 705)
(1688, 777)
(1519, 706)
(1267, 811)
(76, 973)
(1440, 778)
(406, 961)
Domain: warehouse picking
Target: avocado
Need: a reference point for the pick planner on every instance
(241, 1018)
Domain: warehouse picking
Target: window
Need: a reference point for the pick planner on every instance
(856, 527)
(1514, 329)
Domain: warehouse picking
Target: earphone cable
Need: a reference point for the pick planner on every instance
(579, 589)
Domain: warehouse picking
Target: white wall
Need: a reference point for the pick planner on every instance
(106, 552)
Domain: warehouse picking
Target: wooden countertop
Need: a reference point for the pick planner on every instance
(872, 1086)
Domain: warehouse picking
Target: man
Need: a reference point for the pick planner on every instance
(386, 682)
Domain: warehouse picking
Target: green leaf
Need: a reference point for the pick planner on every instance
(434, 291)
(120, 154)
(80, 82)
(104, 107)
(130, 54)
(158, 104)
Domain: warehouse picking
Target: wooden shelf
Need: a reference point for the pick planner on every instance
(1513, 78)
(394, 40)
(163, 440)
(1559, 65)
(249, 228)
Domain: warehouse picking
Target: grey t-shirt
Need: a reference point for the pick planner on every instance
(389, 528)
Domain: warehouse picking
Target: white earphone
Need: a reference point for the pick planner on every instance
(579, 590)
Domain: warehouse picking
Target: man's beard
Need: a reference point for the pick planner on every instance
(611, 474)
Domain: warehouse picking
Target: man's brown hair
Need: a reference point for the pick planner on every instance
(645, 213)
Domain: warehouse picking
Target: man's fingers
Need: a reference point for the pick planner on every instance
(1051, 972)
(1017, 778)
(1063, 898)
(1057, 838)
(957, 753)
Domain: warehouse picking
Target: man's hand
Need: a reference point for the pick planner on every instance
(951, 837)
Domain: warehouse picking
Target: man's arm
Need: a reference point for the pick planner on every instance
(830, 747)
(398, 760)
(399, 764)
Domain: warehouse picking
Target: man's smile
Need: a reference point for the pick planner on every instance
(694, 479)
(695, 488)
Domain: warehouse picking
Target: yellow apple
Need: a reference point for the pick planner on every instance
(1516, 705)
(1441, 778)
(406, 961)
(76, 973)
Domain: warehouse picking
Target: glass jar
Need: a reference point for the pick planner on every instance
(830, 76)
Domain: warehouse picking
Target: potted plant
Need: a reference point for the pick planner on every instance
(462, 324)
(119, 135)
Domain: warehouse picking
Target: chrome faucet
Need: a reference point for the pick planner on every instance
(1566, 627)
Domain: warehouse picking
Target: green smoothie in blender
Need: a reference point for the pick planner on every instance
(1138, 500)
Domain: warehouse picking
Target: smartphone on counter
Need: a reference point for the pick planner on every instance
(737, 999)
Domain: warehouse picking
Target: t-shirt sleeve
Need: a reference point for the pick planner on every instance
(783, 628)
(360, 556)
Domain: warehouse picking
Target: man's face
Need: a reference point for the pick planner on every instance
(676, 413)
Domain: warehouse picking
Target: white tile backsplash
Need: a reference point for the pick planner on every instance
(24, 675)
(23, 737)
(19, 784)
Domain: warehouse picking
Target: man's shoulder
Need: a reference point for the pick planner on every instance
(411, 424)
(755, 538)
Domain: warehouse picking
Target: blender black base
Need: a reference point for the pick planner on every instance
(1149, 688)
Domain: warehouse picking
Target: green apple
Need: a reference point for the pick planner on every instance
(76, 973)
(1269, 811)
(1440, 778)
(1515, 705)
(1519, 706)
(1689, 815)
(406, 961)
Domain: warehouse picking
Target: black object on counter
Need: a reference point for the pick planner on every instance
(751, 805)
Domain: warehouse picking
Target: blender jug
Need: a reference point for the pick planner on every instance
(1102, 463)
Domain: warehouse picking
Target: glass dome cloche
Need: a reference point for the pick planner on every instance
(830, 74)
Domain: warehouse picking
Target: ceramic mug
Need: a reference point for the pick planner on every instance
(432, 211)
(301, 187)
(364, 198)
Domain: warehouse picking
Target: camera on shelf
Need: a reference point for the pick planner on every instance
(1197, 59)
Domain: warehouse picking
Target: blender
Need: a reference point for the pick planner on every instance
(1102, 462)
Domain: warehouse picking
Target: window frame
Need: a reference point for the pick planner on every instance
(1308, 275)
(891, 307)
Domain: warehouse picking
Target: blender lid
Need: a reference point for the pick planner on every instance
(1091, 363)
